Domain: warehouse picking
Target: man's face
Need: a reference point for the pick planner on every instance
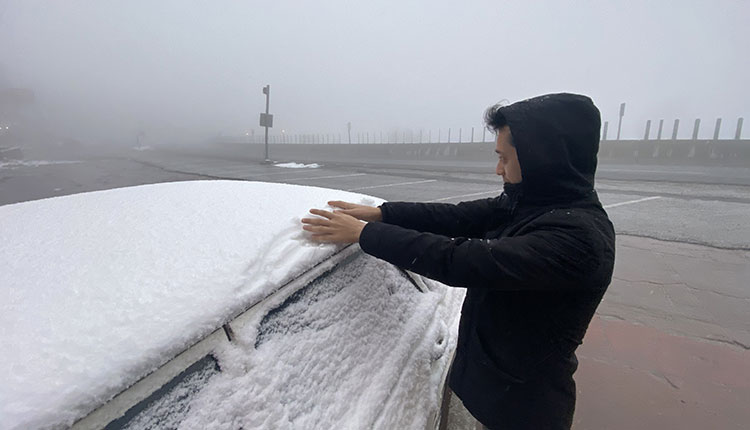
(507, 163)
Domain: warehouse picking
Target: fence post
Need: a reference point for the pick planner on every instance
(674, 130)
(696, 127)
(738, 133)
(648, 129)
(661, 126)
(717, 128)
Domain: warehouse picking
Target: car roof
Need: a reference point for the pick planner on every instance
(101, 288)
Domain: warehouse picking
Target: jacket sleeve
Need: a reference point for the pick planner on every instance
(552, 256)
(470, 219)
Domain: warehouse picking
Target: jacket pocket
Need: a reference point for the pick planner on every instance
(482, 358)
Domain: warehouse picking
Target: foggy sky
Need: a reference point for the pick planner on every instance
(102, 69)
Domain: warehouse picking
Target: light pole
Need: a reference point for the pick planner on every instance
(266, 119)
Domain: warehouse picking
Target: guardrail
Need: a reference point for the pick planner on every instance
(698, 152)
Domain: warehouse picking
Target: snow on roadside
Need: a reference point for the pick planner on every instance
(98, 289)
(298, 165)
(31, 163)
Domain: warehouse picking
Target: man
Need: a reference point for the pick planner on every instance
(535, 260)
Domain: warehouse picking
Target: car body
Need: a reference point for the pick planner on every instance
(202, 304)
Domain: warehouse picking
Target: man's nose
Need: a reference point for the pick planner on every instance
(499, 169)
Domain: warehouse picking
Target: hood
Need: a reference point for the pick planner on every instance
(557, 139)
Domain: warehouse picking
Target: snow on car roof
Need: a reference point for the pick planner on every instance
(98, 289)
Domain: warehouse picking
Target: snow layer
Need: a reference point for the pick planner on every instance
(98, 289)
(361, 348)
(11, 164)
(298, 165)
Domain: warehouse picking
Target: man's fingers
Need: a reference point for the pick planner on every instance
(315, 221)
(341, 204)
(316, 228)
(322, 213)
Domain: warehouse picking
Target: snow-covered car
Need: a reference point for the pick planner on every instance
(204, 305)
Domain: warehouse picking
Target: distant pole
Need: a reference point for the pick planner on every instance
(449, 135)
(484, 134)
(420, 135)
(738, 133)
(429, 136)
(604, 132)
(661, 126)
(648, 130)
(472, 135)
(349, 130)
(675, 128)
(619, 123)
(696, 127)
(267, 92)
(459, 134)
(368, 138)
(717, 128)
(438, 141)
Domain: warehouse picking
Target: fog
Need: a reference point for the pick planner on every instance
(102, 71)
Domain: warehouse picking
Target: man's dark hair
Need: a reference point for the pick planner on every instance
(494, 118)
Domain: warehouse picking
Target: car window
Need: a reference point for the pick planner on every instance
(329, 356)
(168, 405)
(291, 316)
(307, 309)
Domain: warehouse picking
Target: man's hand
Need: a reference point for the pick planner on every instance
(365, 213)
(334, 227)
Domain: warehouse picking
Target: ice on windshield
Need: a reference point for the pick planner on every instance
(98, 289)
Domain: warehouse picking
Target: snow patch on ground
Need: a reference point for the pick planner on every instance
(143, 148)
(11, 164)
(98, 289)
(298, 165)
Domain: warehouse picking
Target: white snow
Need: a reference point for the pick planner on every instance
(363, 348)
(10, 164)
(98, 289)
(298, 165)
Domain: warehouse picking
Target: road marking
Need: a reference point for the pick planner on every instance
(464, 195)
(690, 172)
(393, 185)
(630, 202)
(329, 177)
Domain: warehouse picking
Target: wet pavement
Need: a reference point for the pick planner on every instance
(669, 346)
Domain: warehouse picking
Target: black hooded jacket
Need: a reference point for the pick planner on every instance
(535, 261)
